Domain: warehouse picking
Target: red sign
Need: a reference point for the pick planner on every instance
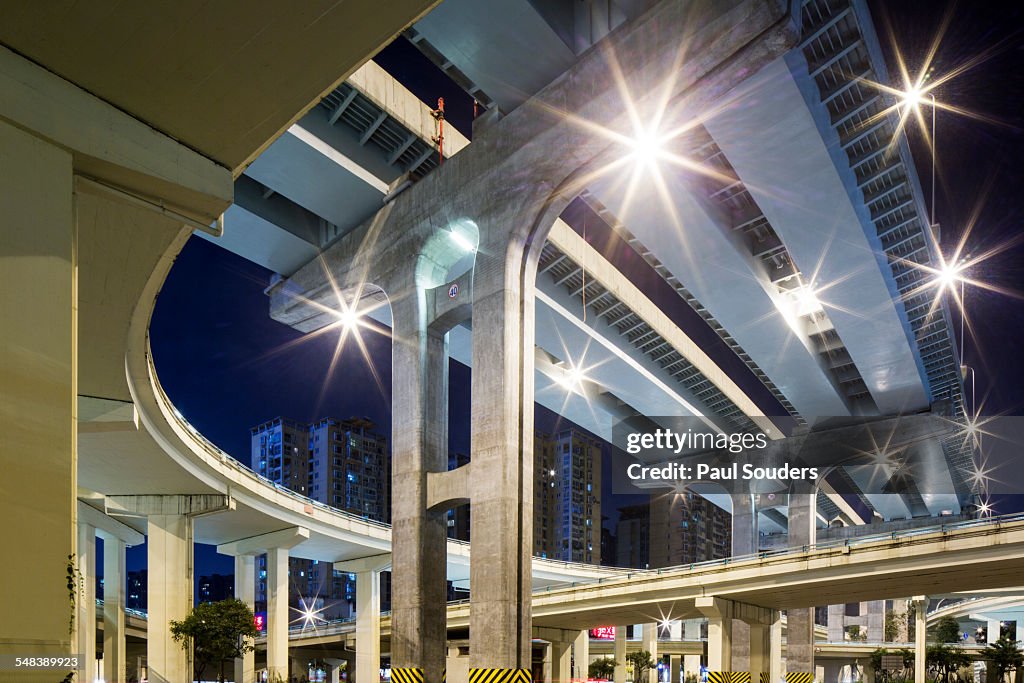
(603, 633)
(258, 621)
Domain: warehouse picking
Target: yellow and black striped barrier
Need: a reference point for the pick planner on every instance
(728, 677)
(500, 675)
(764, 677)
(799, 677)
(407, 674)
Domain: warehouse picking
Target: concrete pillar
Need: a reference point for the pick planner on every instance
(87, 599)
(502, 446)
(1019, 635)
(691, 632)
(899, 608)
(277, 612)
(169, 595)
(744, 542)
(876, 621)
(649, 642)
(114, 669)
(675, 663)
(581, 654)
(38, 373)
(419, 446)
(334, 668)
(800, 622)
(836, 623)
(367, 626)
(775, 652)
(832, 671)
(561, 661)
(759, 661)
(719, 614)
(245, 590)
(992, 630)
(620, 654)
(920, 603)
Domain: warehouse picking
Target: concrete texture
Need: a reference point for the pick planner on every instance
(245, 590)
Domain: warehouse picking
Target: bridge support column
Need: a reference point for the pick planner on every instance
(38, 372)
(277, 613)
(775, 653)
(760, 650)
(876, 621)
(334, 667)
(691, 632)
(675, 663)
(800, 622)
(560, 656)
(620, 654)
(899, 608)
(992, 630)
(169, 550)
(920, 603)
(368, 625)
(419, 445)
(245, 590)
(581, 654)
(744, 542)
(836, 624)
(87, 599)
(649, 638)
(719, 614)
(502, 446)
(114, 667)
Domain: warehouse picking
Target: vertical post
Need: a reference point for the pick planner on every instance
(367, 626)
(675, 664)
(719, 614)
(899, 608)
(800, 622)
(87, 599)
(876, 621)
(992, 630)
(691, 633)
(245, 590)
(419, 446)
(169, 597)
(649, 637)
(502, 444)
(744, 542)
(759, 661)
(775, 645)
(114, 669)
(38, 372)
(581, 653)
(620, 654)
(561, 662)
(836, 624)
(277, 613)
(920, 635)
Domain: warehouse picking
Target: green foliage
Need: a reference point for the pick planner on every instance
(216, 632)
(1003, 656)
(946, 630)
(895, 624)
(75, 585)
(856, 633)
(945, 661)
(642, 662)
(886, 676)
(602, 668)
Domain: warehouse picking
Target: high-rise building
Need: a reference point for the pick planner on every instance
(632, 536)
(216, 587)
(567, 496)
(687, 528)
(342, 463)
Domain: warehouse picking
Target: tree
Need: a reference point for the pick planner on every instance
(945, 661)
(946, 630)
(602, 668)
(1003, 657)
(888, 676)
(642, 662)
(895, 624)
(216, 631)
(855, 633)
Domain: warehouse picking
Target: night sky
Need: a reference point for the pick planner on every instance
(228, 366)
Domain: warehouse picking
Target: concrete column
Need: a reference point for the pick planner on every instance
(277, 612)
(992, 630)
(649, 642)
(775, 652)
(561, 661)
(367, 626)
(581, 654)
(719, 614)
(876, 621)
(744, 542)
(245, 590)
(675, 663)
(114, 668)
(419, 446)
(759, 661)
(334, 667)
(899, 608)
(836, 623)
(920, 603)
(38, 373)
(1019, 635)
(800, 622)
(502, 446)
(832, 671)
(691, 632)
(620, 654)
(87, 599)
(169, 595)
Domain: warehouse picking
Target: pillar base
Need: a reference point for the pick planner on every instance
(499, 675)
(412, 674)
(728, 677)
(799, 677)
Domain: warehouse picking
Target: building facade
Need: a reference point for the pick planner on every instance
(632, 537)
(567, 496)
(687, 528)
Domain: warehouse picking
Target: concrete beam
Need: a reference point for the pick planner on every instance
(108, 527)
(146, 505)
(257, 545)
(448, 489)
(373, 563)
